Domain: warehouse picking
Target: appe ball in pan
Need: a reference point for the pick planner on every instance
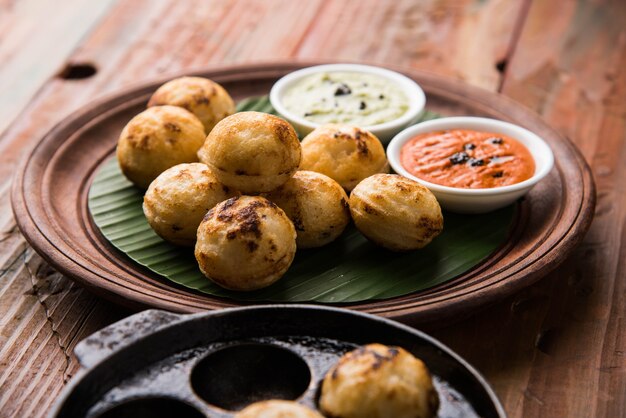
(245, 243)
(252, 152)
(345, 153)
(377, 381)
(395, 212)
(316, 204)
(178, 199)
(277, 409)
(156, 139)
(201, 96)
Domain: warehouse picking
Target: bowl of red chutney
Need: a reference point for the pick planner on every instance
(471, 164)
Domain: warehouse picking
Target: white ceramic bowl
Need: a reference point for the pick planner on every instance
(476, 200)
(384, 131)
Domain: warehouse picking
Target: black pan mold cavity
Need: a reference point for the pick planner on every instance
(236, 376)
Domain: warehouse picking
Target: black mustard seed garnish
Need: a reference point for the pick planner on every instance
(459, 158)
(342, 90)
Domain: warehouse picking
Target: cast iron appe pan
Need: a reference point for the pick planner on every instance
(157, 363)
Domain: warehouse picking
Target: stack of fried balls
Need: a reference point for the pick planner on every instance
(245, 191)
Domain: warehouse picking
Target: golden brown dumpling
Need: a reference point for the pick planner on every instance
(345, 153)
(178, 199)
(316, 204)
(156, 139)
(277, 409)
(204, 98)
(395, 212)
(252, 152)
(376, 381)
(245, 243)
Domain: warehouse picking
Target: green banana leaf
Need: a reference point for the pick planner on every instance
(351, 269)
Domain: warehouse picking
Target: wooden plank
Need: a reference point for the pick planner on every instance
(38, 337)
(557, 349)
(34, 43)
(144, 38)
(462, 39)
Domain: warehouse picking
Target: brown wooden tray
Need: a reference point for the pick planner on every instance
(50, 190)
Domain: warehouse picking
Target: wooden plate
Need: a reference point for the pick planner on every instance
(49, 199)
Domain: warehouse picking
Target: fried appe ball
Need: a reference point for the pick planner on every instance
(395, 212)
(252, 152)
(376, 381)
(204, 98)
(178, 199)
(277, 409)
(316, 204)
(245, 243)
(345, 153)
(156, 139)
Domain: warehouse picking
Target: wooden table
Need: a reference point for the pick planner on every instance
(555, 349)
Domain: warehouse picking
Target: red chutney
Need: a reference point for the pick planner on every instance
(467, 159)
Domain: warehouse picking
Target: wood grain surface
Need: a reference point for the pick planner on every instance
(554, 349)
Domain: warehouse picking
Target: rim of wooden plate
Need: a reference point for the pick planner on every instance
(49, 197)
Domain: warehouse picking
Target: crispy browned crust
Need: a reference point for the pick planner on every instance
(156, 139)
(245, 243)
(395, 212)
(316, 204)
(251, 151)
(177, 200)
(209, 101)
(378, 381)
(345, 153)
(277, 409)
